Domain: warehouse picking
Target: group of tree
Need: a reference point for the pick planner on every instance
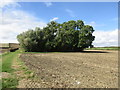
(68, 36)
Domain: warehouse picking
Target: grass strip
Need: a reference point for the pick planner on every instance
(7, 60)
(104, 48)
(9, 82)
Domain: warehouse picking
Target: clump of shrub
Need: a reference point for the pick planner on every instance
(68, 36)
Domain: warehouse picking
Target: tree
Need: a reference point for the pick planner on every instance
(49, 35)
(85, 37)
(31, 40)
(68, 36)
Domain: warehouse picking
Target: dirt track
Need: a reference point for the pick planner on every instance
(89, 69)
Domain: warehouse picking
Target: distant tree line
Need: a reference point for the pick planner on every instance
(68, 36)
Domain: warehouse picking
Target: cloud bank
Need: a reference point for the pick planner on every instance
(7, 3)
(106, 38)
(15, 22)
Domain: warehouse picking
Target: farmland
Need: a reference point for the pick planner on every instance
(88, 69)
(6, 47)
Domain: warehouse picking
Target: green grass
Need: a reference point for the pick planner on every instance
(7, 60)
(9, 82)
(39, 52)
(3, 54)
(104, 48)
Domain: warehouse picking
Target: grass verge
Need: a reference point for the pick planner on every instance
(104, 48)
(9, 82)
(7, 60)
(12, 64)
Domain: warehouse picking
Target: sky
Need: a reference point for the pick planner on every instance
(18, 17)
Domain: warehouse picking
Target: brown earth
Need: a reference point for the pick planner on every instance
(5, 75)
(89, 69)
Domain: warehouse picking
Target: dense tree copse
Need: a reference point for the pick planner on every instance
(68, 36)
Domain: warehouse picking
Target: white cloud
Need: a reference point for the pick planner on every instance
(7, 3)
(55, 18)
(70, 12)
(16, 22)
(48, 4)
(106, 38)
(94, 24)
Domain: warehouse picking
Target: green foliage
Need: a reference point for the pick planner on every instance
(68, 36)
(85, 37)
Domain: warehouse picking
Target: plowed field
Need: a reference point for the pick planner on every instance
(89, 69)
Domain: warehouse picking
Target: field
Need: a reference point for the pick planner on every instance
(4, 50)
(88, 69)
(6, 47)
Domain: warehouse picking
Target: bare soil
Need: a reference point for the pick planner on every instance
(88, 69)
(5, 75)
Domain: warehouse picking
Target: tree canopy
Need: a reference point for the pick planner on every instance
(68, 36)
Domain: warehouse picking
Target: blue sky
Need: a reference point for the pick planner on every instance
(102, 16)
(102, 13)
